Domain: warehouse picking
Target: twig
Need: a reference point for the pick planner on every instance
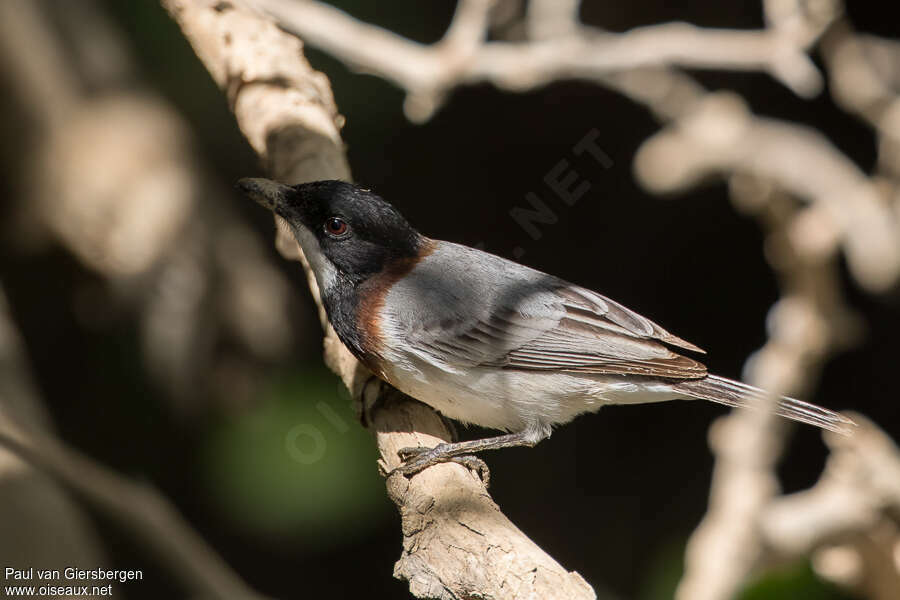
(457, 543)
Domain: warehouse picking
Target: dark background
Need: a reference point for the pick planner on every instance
(613, 495)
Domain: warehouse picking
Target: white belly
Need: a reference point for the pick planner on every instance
(512, 400)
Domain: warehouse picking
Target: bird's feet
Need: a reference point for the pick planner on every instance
(419, 458)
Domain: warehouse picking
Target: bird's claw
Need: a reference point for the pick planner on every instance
(410, 452)
(418, 458)
(475, 465)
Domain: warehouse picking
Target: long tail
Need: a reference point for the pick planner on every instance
(734, 393)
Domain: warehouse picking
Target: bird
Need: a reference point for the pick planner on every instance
(482, 339)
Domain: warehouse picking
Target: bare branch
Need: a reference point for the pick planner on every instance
(552, 18)
(721, 136)
(862, 73)
(860, 485)
(428, 72)
(456, 541)
(847, 522)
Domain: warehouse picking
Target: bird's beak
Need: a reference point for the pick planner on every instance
(266, 192)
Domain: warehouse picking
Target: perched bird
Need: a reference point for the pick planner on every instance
(482, 339)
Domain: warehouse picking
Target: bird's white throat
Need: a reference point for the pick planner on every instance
(322, 268)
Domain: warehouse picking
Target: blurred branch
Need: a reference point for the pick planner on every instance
(136, 508)
(850, 520)
(457, 543)
(859, 486)
(115, 178)
(560, 48)
(115, 181)
(862, 70)
(41, 74)
(721, 136)
(808, 323)
(771, 165)
(33, 508)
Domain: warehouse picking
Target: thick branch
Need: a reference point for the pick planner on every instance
(457, 543)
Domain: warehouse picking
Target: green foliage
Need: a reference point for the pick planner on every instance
(297, 467)
(796, 581)
(664, 572)
(790, 583)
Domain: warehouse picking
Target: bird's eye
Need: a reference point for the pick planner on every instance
(336, 226)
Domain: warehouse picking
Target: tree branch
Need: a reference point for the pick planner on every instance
(848, 521)
(557, 51)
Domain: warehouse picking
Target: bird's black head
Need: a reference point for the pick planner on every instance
(344, 231)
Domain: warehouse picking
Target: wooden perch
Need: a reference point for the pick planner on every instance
(456, 542)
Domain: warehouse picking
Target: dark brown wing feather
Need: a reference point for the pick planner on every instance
(593, 309)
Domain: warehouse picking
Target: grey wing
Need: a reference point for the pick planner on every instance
(551, 325)
(598, 336)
